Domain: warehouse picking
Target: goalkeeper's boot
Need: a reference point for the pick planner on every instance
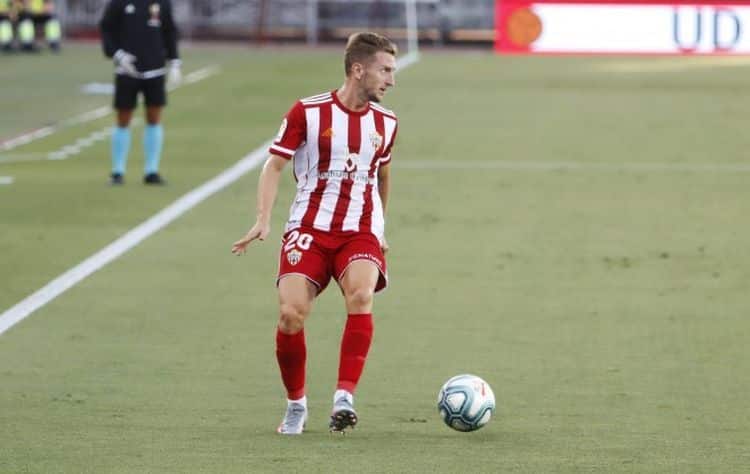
(154, 179)
(294, 419)
(343, 415)
(116, 179)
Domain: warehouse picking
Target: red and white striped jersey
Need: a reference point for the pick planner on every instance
(337, 153)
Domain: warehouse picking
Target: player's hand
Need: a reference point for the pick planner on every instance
(258, 231)
(174, 76)
(384, 246)
(126, 62)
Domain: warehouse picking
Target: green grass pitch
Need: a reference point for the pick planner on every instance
(572, 230)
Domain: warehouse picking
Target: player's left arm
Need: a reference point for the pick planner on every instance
(384, 183)
(384, 186)
(169, 31)
(170, 34)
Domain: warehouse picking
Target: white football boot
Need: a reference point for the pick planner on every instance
(343, 415)
(294, 418)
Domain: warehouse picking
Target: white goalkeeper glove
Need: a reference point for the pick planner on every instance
(125, 63)
(174, 76)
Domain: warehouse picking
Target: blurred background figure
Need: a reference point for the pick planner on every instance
(38, 15)
(7, 17)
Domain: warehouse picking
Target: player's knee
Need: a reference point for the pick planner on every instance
(292, 317)
(360, 297)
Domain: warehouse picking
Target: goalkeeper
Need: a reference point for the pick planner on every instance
(141, 37)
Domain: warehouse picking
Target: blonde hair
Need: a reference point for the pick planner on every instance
(362, 47)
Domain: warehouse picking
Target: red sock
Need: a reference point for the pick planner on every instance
(291, 353)
(355, 343)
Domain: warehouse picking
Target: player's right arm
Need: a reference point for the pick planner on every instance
(108, 27)
(268, 185)
(292, 134)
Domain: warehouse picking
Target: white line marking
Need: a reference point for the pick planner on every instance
(62, 283)
(674, 64)
(570, 166)
(6, 180)
(66, 151)
(91, 115)
(16, 157)
(112, 251)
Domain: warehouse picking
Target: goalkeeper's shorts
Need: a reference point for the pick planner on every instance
(128, 88)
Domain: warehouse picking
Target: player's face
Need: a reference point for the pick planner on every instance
(379, 75)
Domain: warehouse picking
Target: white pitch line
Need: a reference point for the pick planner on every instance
(674, 64)
(67, 151)
(135, 236)
(62, 283)
(91, 115)
(6, 180)
(570, 166)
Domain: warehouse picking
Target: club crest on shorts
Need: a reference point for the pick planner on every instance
(294, 256)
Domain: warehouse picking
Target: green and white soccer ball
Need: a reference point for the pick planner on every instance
(466, 402)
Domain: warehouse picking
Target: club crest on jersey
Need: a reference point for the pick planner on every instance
(155, 11)
(376, 140)
(294, 256)
(130, 9)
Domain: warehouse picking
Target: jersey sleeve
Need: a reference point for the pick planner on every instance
(292, 133)
(170, 32)
(108, 26)
(386, 158)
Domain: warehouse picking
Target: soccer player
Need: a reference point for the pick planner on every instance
(141, 37)
(340, 145)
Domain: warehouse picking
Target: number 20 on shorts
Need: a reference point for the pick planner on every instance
(295, 239)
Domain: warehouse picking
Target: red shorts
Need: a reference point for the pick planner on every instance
(320, 255)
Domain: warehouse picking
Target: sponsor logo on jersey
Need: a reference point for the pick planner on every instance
(357, 177)
(294, 256)
(328, 133)
(155, 11)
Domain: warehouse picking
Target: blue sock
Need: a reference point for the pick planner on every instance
(120, 148)
(153, 137)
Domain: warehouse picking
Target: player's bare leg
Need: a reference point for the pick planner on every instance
(120, 146)
(153, 139)
(124, 116)
(358, 285)
(296, 294)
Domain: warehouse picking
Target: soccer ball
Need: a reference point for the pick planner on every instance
(466, 402)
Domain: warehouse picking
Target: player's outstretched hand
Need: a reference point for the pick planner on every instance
(174, 76)
(126, 62)
(384, 246)
(258, 231)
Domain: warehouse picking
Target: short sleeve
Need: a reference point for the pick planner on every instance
(292, 132)
(386, 158)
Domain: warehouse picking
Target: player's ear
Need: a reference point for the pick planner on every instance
(358, 70)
